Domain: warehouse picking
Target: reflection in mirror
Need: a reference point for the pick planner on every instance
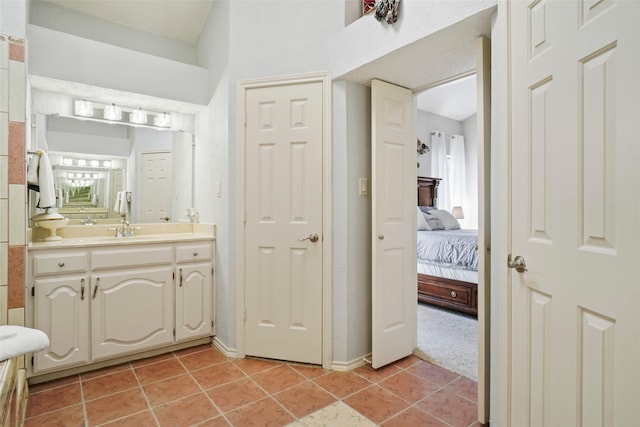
(105, 172)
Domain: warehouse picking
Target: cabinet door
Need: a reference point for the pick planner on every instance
(131, 311)
(193, 301)
(62, 312)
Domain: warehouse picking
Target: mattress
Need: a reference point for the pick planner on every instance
(447, 271)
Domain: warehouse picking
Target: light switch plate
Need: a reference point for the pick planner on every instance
(363, 186)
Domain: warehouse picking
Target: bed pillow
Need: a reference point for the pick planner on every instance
(426, 209)
(433, 223)
(422, 222)
(447, 220)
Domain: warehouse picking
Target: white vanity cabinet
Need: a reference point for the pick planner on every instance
(194, 276)
(113, 300)
(131, 300)
(61, 307)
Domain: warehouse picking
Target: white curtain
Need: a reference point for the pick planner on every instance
(457, 168)
(440, 168)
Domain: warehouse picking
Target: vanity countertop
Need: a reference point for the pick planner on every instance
(82, 236)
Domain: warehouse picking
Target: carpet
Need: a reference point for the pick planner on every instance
(448, 339)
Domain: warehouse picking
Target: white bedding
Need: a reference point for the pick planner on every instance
(451, 254)
(457, 248)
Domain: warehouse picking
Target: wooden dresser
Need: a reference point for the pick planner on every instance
(447, 293)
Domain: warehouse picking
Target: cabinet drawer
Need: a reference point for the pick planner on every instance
(451, 293)
(193, 252)
(70, 262)
(131, 257)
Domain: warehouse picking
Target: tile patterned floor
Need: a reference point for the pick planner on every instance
(202, 387)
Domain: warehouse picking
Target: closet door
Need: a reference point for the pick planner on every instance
(393, 184)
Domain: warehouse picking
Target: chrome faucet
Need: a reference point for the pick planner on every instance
(128, 230)
(119, 230)
(125, 229)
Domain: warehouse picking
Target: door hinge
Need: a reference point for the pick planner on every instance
(174, 333)
(212, 271)
(212, 323)
(32, 361)
(174, 276)
(33, 291)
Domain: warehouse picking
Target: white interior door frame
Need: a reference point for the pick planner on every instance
(501, 273)
(242, 87)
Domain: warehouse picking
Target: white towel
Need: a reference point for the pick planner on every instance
(116, 206)
(121, 206)
(46, 183)
(32, 169)
(124, 204)
(18, 340)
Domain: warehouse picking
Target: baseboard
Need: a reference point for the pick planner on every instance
(350, 365)
(229, 352)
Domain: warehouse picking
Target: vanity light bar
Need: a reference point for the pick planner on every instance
(83, 108)
(138, 116)
(67, 161)
(162, 120)
(115, 113)
(112, 112)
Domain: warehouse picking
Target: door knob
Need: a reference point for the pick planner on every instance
(313, 237)
(518, 263)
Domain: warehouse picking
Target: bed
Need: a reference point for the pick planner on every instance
(446, 278)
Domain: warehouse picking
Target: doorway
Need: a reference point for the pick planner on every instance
(483, 67)
(446, 126)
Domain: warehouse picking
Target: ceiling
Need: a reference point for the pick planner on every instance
(183, 20)
(455, 100)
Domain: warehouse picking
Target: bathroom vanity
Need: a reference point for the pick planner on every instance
(100, 298)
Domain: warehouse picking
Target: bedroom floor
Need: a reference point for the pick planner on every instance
(200, 386)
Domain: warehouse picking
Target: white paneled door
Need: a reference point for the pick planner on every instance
(283, 228)
(575, 213)
(155, 186)
(393, 198)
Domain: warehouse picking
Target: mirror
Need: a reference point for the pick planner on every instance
(108, 171)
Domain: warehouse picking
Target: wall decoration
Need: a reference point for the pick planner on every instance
(387, 10)
(368, 6)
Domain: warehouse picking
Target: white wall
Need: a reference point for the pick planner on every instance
(71, 58)
(366, 39)
(49, 15)
(79, 136)
(214, 169)
(13, 17)
(352, 221)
